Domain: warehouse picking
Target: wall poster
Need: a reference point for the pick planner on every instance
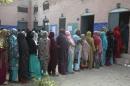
(72, 27)
(54, 28)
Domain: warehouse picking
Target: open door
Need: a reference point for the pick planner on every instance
(120, 17)
(87, 23)
(124, 26)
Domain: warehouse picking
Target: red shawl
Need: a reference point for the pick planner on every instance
(118, 42)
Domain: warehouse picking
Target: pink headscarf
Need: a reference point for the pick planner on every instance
(69, 38)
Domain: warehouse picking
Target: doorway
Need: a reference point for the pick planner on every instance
(124, 26)
(87, 23)
(121, 19)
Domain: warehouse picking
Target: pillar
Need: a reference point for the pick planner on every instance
(30, 8)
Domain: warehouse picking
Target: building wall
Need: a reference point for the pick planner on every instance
(73, 9)
(9, 14)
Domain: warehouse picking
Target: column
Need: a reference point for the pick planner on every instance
(30, 21)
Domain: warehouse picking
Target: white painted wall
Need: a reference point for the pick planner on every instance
(9, 14)
(72, 9)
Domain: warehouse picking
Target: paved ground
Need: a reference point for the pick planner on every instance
(106, 76)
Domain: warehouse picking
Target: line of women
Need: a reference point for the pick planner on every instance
(20, 56)
(30, 55)
(90, 50)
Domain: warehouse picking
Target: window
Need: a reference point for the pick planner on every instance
(45, 5)
(35, 9)
(22, 9)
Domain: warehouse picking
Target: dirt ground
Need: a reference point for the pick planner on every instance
(115, 75)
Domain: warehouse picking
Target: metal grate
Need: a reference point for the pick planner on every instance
(22, 9)
(45, 5)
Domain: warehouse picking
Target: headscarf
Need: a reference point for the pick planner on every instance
(51, 35)
(97, 40)
(119, 43)
(14, 31)
(22, 42)
(83, 37)
(69, 38)
(24, 33)
(110, 38)
(44, 34)
(89, 34)
(30, 34)
(62, 31)
(53, 44)
(117, 32)
(78, 32)
(117, 35)
(31, 43)
(109, 33)
(90, 40)
(1, 39)
(21, 36)
(4, 37)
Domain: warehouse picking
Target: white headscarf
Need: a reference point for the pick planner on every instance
(69, 38)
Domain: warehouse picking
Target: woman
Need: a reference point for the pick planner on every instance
(98, 46)
(110, 49)
(13, 56)
(118, 42)
(23, 72)
(104, 46)
(34, 63)
(85, 52)
(62, 52)
(78, 50)
(53, 55)
(43, 51)
(90, 41)
(71, 46)
(35, 37)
